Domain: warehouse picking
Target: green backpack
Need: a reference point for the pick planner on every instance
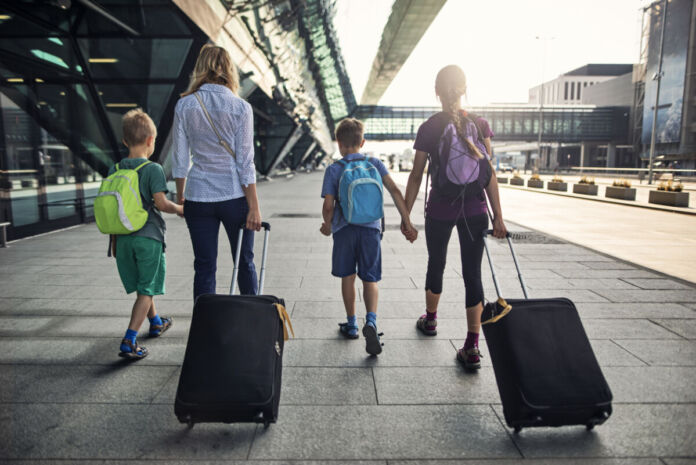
(118, 207)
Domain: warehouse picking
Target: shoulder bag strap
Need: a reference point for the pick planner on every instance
(212, 125)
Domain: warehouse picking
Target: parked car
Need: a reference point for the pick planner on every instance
(505, 168)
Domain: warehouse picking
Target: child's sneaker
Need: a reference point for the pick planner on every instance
(427, 326)
(131, 350)
(349, 331)
(373, 346)
(471, 358)
(157, 330)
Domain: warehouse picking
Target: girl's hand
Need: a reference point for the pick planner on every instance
(499, 229)
(253, 221)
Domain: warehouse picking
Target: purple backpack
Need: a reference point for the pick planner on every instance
(456, 171)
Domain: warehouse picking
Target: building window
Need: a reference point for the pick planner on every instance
(572, 90)
(579, 87)
(584, 84)
(565, 93)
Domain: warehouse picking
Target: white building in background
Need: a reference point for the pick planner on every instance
(568, 88)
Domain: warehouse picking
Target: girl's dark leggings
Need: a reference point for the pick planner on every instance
(437, 236)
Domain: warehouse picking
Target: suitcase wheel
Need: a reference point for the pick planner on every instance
(518, 428)
(590, 426)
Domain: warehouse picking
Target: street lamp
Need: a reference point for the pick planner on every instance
(541, 90)
(657, 77)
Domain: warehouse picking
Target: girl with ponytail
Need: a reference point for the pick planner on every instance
(442, 213)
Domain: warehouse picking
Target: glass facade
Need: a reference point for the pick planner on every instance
(67, 75)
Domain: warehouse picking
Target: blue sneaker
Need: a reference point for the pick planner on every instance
(373, 346)
(348, 331)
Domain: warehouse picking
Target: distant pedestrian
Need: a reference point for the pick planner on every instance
(451, 137)
(140, 255)
(220, 185)
(352, 211)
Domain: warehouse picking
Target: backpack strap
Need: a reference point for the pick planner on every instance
(139, 166)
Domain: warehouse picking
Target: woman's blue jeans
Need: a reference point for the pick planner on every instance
(203, 220)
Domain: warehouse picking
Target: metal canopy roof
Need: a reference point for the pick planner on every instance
(407, 23)
(326, 60)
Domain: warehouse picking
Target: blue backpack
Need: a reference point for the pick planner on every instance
(360, 192)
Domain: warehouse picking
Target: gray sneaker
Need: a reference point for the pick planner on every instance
(426, 326)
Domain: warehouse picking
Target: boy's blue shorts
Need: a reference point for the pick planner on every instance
(357, 248)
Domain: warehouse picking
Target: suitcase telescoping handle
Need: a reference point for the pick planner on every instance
(237, 255)
(488, 232)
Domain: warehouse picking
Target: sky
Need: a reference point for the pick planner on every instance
(494, 42)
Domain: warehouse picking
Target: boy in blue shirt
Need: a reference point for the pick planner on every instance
(357, 246)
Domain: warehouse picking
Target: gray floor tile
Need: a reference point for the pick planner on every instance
(114, 431)
(405, 328)
(634, 430)
(347, 353)
(526, 461)
(669, 461)
(657, 283)
(625, 329)
(395, 309)
(24, 325)
(323, 432)
(119, 382)
(652, 384)
(328, 386)
(656, 296)
(685, 328)
(662, 353)
(601, 274)
(600, 283)
(86, 351)
(607, 265)
(633, 310)
(435, 385)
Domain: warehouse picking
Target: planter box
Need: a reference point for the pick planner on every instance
(673, 199)
(557, 186)
(535, 183)
(502, 180)
(586, 189)
(517, 181)
(621, 193)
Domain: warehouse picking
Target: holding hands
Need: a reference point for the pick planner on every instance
(408, 230)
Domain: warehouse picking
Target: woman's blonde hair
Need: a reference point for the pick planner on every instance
(450, 85)
(213, 66)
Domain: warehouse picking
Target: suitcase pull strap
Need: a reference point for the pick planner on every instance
(285, 319)
(499, 304)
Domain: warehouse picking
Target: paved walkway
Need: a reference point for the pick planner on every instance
(66, 396)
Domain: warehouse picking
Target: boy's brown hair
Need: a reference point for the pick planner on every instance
(137, 127)
(349, 132)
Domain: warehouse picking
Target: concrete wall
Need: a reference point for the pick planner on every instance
(614, 92)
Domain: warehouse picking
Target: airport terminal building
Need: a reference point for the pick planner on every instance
(70, 69)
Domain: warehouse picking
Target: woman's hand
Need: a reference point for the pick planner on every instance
(499, 229)
(253, 220)
(409, 231)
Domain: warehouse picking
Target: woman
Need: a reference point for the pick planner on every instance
(444, 212)
(219, 187)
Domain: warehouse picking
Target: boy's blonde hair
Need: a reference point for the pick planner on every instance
(213, 66)
(137, 127)
(349, 132)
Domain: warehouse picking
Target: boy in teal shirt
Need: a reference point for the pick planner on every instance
(140, 255)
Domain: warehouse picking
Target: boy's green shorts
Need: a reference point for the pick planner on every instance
(141, 264)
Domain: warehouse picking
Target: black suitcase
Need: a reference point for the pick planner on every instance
(234, 356)
(546, 371)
